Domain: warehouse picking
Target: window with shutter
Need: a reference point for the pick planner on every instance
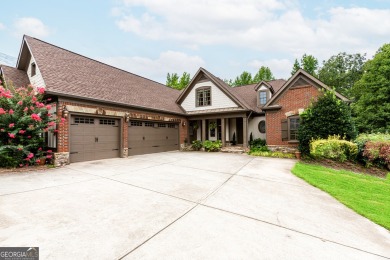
(284, 130)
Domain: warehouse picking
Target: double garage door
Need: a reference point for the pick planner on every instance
(94, 138)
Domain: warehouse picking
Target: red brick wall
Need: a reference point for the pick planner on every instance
(63, 128)
(291, 100)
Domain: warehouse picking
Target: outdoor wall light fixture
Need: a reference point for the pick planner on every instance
(183, 123)
(65, 112)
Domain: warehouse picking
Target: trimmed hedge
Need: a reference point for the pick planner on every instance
(333, 148)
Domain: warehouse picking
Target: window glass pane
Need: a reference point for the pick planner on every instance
(263, 97)
(294, 125)
(207, 101)
(203, 97)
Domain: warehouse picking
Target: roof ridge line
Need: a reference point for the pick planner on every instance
(97, 61)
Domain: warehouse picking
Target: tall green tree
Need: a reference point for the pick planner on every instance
(372, 94)
(264, 73)
(342, 71)
(296, 67)
(326, 116)
(176, 82)
(308, 62)
(244, 79)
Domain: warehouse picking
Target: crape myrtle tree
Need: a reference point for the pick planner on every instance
(24, 118)
(326, 116)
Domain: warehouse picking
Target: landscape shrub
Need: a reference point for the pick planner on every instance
(373, 149)
(24, 118)
(333, 148)
(197, 145)
(324, 117)
(212, 146)
(377, 153)
(259, 149)
(257, 143)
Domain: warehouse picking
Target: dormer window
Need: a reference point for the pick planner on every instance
(33, 69)
(263, 96)
(203, 97)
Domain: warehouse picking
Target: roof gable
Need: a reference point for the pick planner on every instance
(70, 74)
(300, 78)
(18, 77)
(202, 75)
(264, 83)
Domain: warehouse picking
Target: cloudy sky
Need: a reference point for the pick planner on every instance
(154, 37)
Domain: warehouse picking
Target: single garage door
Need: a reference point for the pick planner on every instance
(93, 138)
(151, 137)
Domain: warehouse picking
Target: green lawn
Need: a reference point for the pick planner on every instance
(367, 195)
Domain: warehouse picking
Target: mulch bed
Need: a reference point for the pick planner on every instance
(351, 166)
(25, 169)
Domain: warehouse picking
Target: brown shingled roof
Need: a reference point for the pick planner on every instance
(68, 73)
(18, 77)
(276, 84)
(249, 95)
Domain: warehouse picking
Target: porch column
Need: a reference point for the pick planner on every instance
(245, 132)
(203, 129)
(223, 130)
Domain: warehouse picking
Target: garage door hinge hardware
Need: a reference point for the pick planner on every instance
(96, 139)
(155, 146)
(115, 149)
(73, 152)
(115, 126)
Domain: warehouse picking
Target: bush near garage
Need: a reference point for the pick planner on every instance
(197, 145)
(333, 148)
(24, 118)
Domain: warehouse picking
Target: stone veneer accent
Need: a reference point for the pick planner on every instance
(283, 149)
(61, 159)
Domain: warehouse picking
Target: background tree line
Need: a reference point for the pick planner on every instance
(365, 82)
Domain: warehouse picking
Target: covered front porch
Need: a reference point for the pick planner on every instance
(230, 130)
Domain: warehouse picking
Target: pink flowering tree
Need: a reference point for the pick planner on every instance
(24, 118)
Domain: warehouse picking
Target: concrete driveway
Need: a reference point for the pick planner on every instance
(181, 205)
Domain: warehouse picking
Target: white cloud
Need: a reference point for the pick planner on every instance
(2, 26)
(271, 26)
(157, 69)
(31, 26)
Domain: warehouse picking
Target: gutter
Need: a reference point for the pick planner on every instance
(115, 103)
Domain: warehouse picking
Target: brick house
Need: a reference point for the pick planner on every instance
(110, 112)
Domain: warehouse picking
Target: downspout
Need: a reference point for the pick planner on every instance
(247, 126)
